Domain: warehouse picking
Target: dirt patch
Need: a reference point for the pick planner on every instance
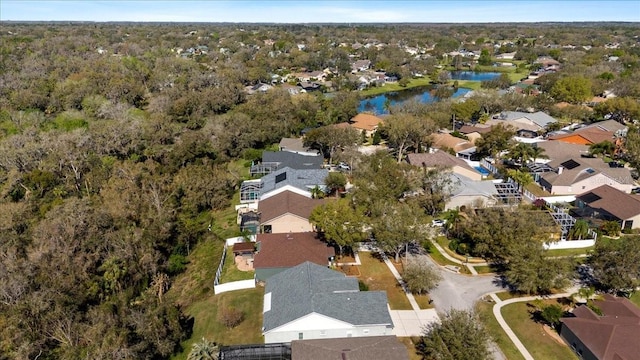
(553, 334)
(244, 264)
(349, 270)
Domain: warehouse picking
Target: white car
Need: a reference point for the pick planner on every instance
(438, 222)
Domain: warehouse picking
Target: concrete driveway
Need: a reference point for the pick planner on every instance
(411, 322)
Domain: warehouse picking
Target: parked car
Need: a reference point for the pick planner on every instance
(438, 222)
(344, 166)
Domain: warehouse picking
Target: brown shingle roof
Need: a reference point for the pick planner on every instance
(366, 122)
(468, 129)
(615, 202)
(578, 173)
(290, 249)
(594, 135)
(437, 158)
(354, 348)
(613, 336)
(243, 246)
(442, 141)
(287, 202)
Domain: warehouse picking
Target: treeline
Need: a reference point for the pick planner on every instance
(114, 150)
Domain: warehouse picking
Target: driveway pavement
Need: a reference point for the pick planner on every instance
(411, 322)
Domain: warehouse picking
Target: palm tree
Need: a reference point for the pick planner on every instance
(521, 152)
(204, 350)
(453, 218)
(537, 153)
(579, 230)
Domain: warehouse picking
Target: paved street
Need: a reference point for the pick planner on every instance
(460, 291)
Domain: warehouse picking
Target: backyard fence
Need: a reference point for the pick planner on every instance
(216, 281)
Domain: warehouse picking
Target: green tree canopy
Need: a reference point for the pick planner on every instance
(572, 89)
(459, 335)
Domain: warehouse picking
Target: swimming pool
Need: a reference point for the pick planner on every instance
(482, 170)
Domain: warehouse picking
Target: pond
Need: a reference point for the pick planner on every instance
(422, 94)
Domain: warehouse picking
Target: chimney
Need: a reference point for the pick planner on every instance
(560, 168)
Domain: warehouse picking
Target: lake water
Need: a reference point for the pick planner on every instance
(422, 94)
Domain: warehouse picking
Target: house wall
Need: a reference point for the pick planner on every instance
(590, 184)
(471, 174)
(636, 221)
(574, 343)
(289, 223)
(468, 201)
(316, 326)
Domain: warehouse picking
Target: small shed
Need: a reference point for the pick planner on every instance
(244, 249)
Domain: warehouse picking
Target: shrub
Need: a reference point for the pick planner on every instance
(177, 263)
(230, 317)
(363, 286)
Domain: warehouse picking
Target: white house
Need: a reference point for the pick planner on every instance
(310, 301)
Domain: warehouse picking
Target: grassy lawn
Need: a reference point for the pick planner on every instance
(469, 84)
(540, 344)
(569, 252)
(230, 271)
(375, 273)
(423, 301)
(484, 269)
(207, 325)
(410, 343)
(536, 190)
(485, 312)
(425, 81)
(442, 261)
(635, 298)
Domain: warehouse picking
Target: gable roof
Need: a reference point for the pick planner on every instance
(613, 201)
(560, 149)
(593, 135)
(290, 249)
(354, 348)
(292, 160)
(287, 202)
(437, 158)
(303, 179)
(463, 186)
(295, 145)
(468, 129)
(608, 125)
(442, 141)
(577, 169)
(539, 118)
(613, 336)
(364, 121)
(309, 288)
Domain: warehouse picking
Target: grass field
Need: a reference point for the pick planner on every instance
(484, 269)
(375, 273)
(635, 298)
(391, 87)
(541, 345)
(208, 326)
(485, 312)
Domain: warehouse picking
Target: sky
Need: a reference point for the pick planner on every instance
(317, 11)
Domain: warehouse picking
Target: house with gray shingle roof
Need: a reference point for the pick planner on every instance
(299, 181)
(575, 175)
(525, 124)
(353, 348)
(310, 301)
(465, 192)
(274, 160)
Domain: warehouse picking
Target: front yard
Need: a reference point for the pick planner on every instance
(541, 341)
(376, 275)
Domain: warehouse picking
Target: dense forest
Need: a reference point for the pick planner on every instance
(115, 147)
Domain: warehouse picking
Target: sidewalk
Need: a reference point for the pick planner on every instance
(497, 312)
(470, 266)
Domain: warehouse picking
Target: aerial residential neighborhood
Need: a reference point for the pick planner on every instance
(320, 180)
